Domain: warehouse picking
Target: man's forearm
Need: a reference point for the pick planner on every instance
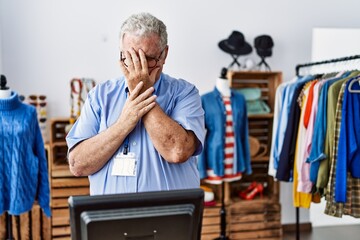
(171, 140)
(90, 155)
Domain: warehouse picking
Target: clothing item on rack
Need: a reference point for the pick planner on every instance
(349, 140)
(322, 125)
(283, 99)
(333, 207)
(317, 154)
(286, 154)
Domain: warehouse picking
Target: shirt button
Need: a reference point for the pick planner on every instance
(134, 143)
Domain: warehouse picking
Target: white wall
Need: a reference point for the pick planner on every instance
(329, 43)
(45, 43)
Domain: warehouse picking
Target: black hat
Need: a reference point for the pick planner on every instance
(235, 44)
(263, 45)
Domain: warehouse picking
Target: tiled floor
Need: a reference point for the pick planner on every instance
(344, 232)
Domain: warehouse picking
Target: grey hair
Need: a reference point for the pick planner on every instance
(143, 24)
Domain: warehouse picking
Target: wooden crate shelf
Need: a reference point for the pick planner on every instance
(30, 225)
(62, 182)
(211, 222)
(33, 224)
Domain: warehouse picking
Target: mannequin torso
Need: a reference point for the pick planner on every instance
(5, 92)
(222, 84)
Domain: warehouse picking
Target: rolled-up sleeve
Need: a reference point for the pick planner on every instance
(188, 112)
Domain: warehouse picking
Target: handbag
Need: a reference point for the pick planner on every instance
(254, 103)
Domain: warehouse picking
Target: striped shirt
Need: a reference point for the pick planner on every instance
(229, 149)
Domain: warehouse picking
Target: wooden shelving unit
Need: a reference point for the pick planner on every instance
(259, 218)
(33, 224)
(62, 183)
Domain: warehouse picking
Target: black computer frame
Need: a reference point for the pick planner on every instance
(80, 204)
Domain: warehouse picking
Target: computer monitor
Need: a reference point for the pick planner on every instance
(161, 215)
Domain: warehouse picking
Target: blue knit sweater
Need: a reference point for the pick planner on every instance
(23, 164)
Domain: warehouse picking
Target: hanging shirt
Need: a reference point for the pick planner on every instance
(278, 141)
(324, 168)
(301, 199)
(334, 208)
(215, 123)
(285, 145)
(287, 154)
(349, 141)
(23, 164)
(278, 107)
(309, 103)
(310, 128)
(304, 183)
(317, 154)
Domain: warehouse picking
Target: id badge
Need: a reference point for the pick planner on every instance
(124, 165)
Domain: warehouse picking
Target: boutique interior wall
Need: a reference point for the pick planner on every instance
(46, 43)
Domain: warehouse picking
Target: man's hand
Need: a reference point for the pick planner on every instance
(136, 70)
(136, 106)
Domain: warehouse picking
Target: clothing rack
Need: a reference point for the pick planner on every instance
(310, 65)
(335, 60)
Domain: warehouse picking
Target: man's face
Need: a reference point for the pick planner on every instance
(150, 45)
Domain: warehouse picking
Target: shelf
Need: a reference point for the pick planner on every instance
(59, 144)
(266, 81)
(61, 170)
(264, 159)
(57, 130)
(69, 182)
(257, 116)
(62, 182)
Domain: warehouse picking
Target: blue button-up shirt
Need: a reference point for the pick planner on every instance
(284, 117)
(179, 99)
(349, 140)
(215, 119)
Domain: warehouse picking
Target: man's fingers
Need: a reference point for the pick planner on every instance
(145, 94)
(134, 93)
(128, 59)
(135, 60)
(147, 109)
(143, 59)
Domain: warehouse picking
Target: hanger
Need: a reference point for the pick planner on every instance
(350, 87)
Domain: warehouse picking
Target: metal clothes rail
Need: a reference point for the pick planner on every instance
(311, 65)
